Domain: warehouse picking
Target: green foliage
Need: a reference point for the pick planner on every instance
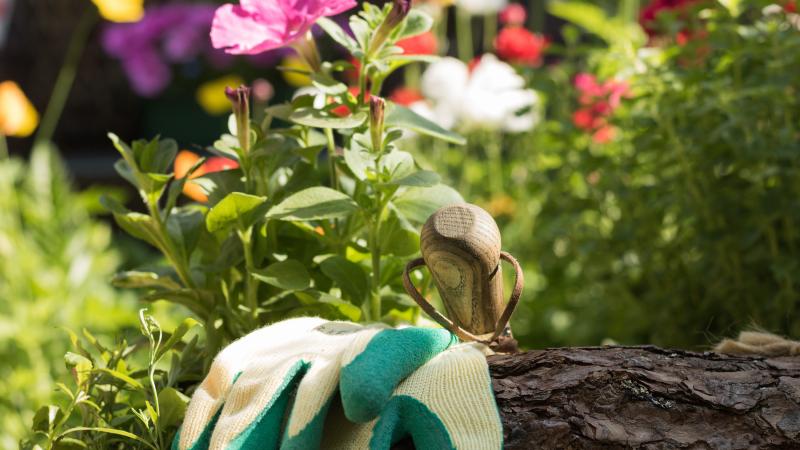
(116, 405)
(283, 235)
(681, 230)
(55, 262)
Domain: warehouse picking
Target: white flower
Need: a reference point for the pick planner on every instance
(481, 7)
(493, 96)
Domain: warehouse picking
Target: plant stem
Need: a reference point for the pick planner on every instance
(250, 267)
(3, 147)
(168, 249)
(66, 77)
(332, 159)
(375, 250)
(489, 32)
(464, 35)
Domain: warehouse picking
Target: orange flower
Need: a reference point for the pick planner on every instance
(421, 44)
(18, 117)
(186, 159)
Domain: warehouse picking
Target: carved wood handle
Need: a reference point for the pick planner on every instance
(461, 246)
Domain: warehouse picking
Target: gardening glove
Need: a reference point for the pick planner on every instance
(242, 402)
(448, 403)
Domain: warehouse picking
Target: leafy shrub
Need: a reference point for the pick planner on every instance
(125, 395)
(55, 263)
(685, 228)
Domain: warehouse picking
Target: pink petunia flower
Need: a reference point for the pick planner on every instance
(255, 26)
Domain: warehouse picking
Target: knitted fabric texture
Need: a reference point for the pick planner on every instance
(294, 367)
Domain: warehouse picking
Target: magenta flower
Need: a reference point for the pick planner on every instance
(255, 26)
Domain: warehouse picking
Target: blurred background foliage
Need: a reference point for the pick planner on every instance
(653, 200)
(55, 263)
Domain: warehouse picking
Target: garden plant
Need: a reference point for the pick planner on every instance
(638, 156)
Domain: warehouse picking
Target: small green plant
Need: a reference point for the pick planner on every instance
(113, 403)
(283, 235)
(55, 262)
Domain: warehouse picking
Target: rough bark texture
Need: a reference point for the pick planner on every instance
(646, 397)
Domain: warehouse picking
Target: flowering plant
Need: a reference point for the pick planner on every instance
(303, 212)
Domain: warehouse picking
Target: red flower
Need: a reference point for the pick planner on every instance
(406, 96)
(598, 100)
(520, 46)
(604, 134)
(648, 17)
(343, 110)
(585, 119)
(186, 159)
(790, 6)
(421, 44)
(514, 15)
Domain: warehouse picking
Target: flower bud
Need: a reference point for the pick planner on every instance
(240, 99)
(377, 107)
(399, 11)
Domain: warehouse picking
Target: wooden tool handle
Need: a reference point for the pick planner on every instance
(461, 246)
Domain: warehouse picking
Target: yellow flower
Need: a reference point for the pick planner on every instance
(295, 79)
(120, 10)
(211, 94)
(18, 117)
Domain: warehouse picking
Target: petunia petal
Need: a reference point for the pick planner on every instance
(243, 32)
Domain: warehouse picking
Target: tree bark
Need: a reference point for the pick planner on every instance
(646, 397)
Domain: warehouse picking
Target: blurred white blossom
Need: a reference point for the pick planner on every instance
(481, 7)
(493, 96)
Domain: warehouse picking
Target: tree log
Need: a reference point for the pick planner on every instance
(646, 397)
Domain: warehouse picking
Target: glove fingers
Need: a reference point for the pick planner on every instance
(311, 402)
(448, 400)
(204, 408)
(255, 408)
(368, 377)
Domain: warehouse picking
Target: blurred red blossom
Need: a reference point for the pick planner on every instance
(598, 102)
(406, 96)
(343, 110)
(514, 15)
(519, 46)
(421, 44)
(186, 159)
(648, 18)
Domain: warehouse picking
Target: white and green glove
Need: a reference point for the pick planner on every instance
(274, 388)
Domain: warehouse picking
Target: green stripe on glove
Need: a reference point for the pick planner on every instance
(243, 401)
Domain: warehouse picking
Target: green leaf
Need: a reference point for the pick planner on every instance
(348, 276)
(398, 236)
(417, 204)
(359, 159)
(172, 405)
(317, 118)
(219, 184)
(416, 22)
(113, 431)
(184, 226)
(593, 19)
(81, 365)
(236, 209)
(397, 164)
(402, 117)
(155, 156)
(176, 336)
(133, 279)
(121, 376)
(290, 275)
(420, 178)
(46, 418)
(317, 298)
(336, 33)
(314, 203)
(138, 225)
(328, 85)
